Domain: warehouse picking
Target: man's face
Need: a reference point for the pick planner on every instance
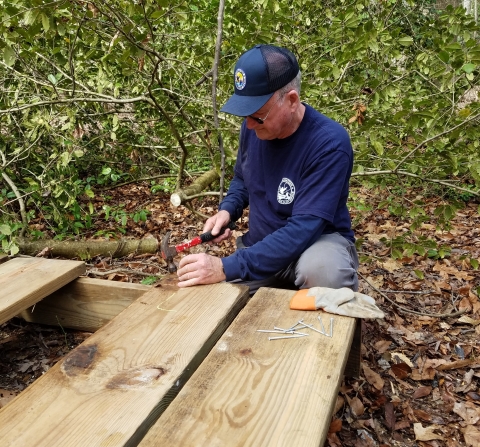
(276, 114)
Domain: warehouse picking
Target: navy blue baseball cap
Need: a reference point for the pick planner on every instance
(258, 74)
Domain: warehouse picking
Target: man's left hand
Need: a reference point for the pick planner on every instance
(200, 269)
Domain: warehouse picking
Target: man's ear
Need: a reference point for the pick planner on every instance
(293, 99)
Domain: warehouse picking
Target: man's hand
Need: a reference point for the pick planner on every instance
(216, 223)
(200, 269)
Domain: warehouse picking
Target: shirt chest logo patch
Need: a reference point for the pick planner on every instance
(286, 192)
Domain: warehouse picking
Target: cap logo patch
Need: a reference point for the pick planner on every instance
(240, 79)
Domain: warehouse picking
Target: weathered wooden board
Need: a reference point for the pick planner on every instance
(85, 304)
(110, 389)
(25, 281)
(250, 391)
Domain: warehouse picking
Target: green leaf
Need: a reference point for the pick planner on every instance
(149, 280)
(14, 249)
(378, 147)
(419, 274)
(406, 41)
(52, 79)
(469, 68)
(5, 229)
(45, 22)
(474, 263)
(9, 56)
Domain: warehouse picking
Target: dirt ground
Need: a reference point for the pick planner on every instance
(420, 365)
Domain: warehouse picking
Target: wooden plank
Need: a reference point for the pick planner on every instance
(85, 304)
(110, 389)
(25, 281)
(250, 391)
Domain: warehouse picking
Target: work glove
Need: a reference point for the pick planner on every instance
(342, 301)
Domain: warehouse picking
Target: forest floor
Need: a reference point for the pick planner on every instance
(420, 365)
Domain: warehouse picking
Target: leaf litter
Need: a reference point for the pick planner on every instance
(420, 366)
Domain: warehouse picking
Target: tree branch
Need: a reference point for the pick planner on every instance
(404, 309)
(73, 100)
(171, 125)
(218, 45)
(441, 134)
(410, 174)
(21, 203)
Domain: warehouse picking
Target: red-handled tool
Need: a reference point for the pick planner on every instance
(169, 251)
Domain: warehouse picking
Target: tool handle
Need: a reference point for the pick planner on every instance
(206, 237)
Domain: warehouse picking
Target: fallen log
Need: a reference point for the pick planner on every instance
(89, 249)
(181, 196)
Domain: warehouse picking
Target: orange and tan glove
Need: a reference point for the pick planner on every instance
(342, 301)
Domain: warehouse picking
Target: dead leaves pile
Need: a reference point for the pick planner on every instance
(419, 385)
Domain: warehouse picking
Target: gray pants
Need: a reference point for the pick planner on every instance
(332, 262)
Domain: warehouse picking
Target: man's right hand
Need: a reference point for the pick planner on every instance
(216, 223)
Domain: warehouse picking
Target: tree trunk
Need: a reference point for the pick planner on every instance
(89, 249)
(184, 195)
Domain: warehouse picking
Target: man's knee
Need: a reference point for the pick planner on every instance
(330, 262)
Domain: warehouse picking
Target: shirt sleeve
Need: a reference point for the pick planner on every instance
(276, 251)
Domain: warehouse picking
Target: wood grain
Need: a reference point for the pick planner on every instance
(85, 304)
(250, 391)
(25, 281)
(111, 389)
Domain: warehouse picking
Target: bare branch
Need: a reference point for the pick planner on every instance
(73, 100)
(410, 174)
(441, 134)
(21, 203)
(218, 45)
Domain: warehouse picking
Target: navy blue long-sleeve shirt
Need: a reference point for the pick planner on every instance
(297, 190)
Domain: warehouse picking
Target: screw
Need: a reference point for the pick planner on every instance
(289, 336)
(275, 332)
(313, 329)
(321, 324)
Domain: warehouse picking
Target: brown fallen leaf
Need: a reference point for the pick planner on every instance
(401, 370)
(373, 378)
(423, 415)
(390, 418)
(426, 433)
(471, 435)
(339, 404)
(402, 425)
(382, 345)
(422, 391)
(467, 411)
(424, 374)
(335, 426)
(357, 407)
(455, 365)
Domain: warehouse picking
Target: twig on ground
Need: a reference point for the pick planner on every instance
(422, 292)
(404, 309)
(121, 270)
(198, 213)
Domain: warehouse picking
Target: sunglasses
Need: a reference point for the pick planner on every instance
(262, 120)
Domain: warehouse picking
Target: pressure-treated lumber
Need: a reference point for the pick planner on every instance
(85, 304)
(250, 391)
(25, 281)
(111, 389)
